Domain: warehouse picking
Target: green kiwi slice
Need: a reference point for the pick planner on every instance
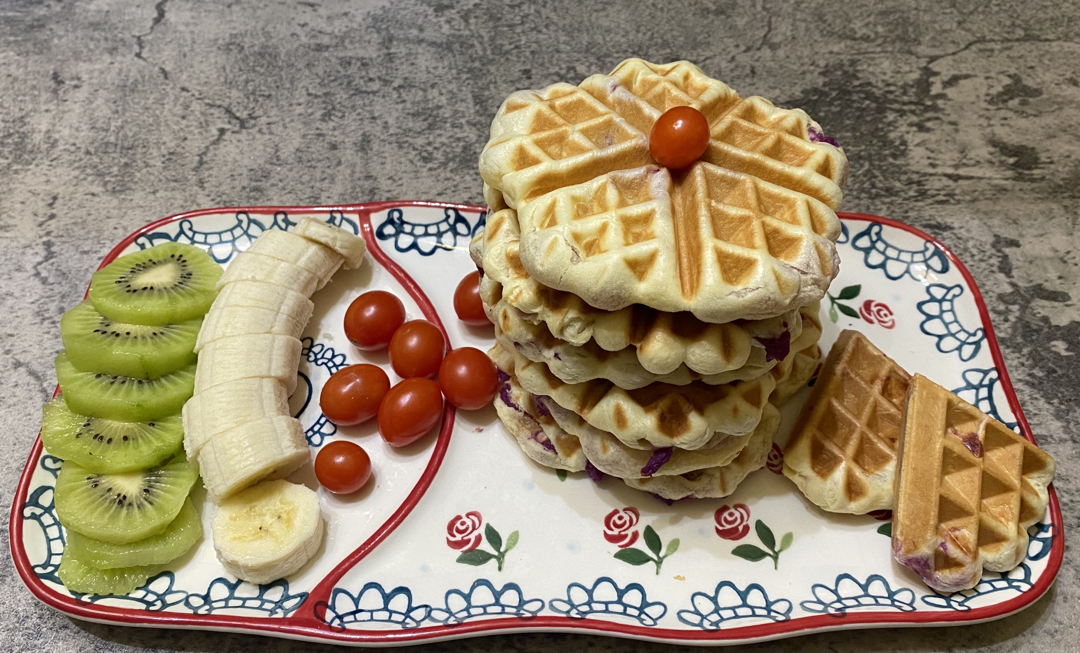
(164, 284)
(122, 508)
(98, 344)
(107, 446)
(124, 398)
(82, 579)
(160, 549)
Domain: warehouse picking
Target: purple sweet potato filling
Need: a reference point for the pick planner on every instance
(542, 440)
(778, 348)
(971, 441)
(595, 474)
(818, 137)
(504, 390)
(541, 405)
(658, 459)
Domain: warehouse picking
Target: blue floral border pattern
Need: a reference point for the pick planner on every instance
(978, 390)
(157, 594)
(941, 322)
(895, 262)
(728, 604)
(331, 360)
(605, 597)
(483, 600)
(426, 238)
(372, 604)
(40, 509)
(845, 234)
(270, 600)
(849, 594)
(221, 244)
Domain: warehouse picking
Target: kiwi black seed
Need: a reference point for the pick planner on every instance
(108, 446)
(122, 508)
(97, 344)
(123, 398)
(164, 284)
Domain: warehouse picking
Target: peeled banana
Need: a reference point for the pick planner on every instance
(229, 405)
(268, 448)
(301, 252)
(248, 356)
(249, 266)
(351, 247)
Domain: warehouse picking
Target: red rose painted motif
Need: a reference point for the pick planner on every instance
(619, 527)
(463, 531)
(876, 312)
(775, 461)
(732, 522)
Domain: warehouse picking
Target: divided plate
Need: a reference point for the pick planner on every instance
(462, 535)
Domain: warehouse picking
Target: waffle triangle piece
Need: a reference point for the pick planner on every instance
(842, 450)
(967, 489)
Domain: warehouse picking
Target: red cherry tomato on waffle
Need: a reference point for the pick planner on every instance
(467, 304)
(416, 349)
(679, 137)
(342, 467)
(372, 319)
(409, 410)
(468, 378)
(353, 394)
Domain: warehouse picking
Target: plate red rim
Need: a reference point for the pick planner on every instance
(304, 624)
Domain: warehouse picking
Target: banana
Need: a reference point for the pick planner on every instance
(229, 405)
(259, 294)
(268, 531)
(245, 320)
(249, 266)
(350, 246)
(268, 448)
(248, 356)
(291, 248)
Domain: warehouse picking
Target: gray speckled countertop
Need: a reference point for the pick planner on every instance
(959, 118)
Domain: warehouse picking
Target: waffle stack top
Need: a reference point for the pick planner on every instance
(656, 311)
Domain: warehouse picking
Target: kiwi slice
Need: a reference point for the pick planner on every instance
(98, 344)
(163, 284)
(82, 579)
(160, 549)
(107, 446)
(122, 508)
(124, 398)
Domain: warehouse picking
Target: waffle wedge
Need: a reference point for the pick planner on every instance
(967, 489)
(746, 232)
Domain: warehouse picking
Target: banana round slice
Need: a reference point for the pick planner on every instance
(268, 531)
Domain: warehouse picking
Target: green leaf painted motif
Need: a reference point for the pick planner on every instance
(561, 473)
(885, 529)
(765, 534)
(476, 557)
(785, 542)
(672, 547)
(847, 310)
(635, 557)
(832, 313)
(749, 552)
(652, 540)
(493, 537)
(850, 292)
(511, 541)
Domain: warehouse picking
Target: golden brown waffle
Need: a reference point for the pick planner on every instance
(662, 342)
(842, 451)
(746, 232)
(967, 490)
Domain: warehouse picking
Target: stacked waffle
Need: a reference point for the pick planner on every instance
(649, 320)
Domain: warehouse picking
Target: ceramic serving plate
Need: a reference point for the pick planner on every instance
(461, 535)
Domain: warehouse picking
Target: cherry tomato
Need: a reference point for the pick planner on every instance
(409, 410)
(352, 395)
(679, 137)
(416, 349)
(467, 304)
(342, 467)
(373, 318)
(468, 378)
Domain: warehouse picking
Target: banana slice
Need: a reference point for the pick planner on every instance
(248, 356)
(286, 246)
(229, 405)
(268, 448)
(260, 294)
(350, 246)
(268, 531)
(245, 320)
(249, 266)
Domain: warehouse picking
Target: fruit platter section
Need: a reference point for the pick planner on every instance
(454, 531)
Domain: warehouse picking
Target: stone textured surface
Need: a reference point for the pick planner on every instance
(962, 118)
